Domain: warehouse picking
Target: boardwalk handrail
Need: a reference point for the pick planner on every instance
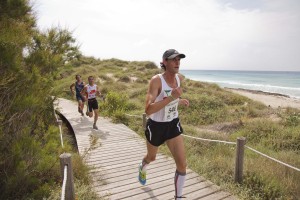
(63, 190)
(278, 161)
(133, 115)
(67, 190)
(256, 151)
(239, 153)
(59, 122)
(65, 163)
(208, 140)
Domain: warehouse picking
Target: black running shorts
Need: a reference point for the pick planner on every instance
(159, 132)
(93, 104)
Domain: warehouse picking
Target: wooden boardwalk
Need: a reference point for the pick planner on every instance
(115, 162)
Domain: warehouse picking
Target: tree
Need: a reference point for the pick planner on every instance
(29, 59)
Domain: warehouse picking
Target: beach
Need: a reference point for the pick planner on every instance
(274, 100)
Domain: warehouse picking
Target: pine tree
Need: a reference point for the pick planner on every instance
(29, 60)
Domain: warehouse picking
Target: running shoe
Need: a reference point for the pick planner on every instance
(181, 197)
(95, 127)
(142, 175)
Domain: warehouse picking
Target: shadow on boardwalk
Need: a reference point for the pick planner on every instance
(115, 161)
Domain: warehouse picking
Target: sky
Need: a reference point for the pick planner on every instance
(213, 34)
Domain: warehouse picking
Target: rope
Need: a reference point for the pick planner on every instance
(220, 141)
(63, 190)
(55, 114)
(134, 115)
(278, 161)
(61, 137)
(209, 140)
(60, 129)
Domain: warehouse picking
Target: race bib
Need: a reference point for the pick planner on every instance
(171, 110)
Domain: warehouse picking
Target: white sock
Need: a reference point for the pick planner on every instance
(179, 183)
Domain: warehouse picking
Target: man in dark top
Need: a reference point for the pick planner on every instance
(78, 85)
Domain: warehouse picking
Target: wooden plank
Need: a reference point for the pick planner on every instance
(217, 196)
(115, 160)
(203, 193)
(201, 184)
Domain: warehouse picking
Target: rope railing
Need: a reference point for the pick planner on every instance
(67, 190)
(240, 145)
(256, 151)
(59, 122)
(63, 190)
(138, 116)
(208, 140)
(278, 161)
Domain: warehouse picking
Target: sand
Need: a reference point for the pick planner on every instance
(269, 99)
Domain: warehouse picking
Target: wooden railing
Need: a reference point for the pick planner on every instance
(240, 148)
(68, 191)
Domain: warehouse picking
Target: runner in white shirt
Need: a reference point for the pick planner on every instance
(91, 91)
(163, 125)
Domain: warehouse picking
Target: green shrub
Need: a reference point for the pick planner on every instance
(125, 79)
(150, 65)
(293, 120)
(261, 187)
(114, 102)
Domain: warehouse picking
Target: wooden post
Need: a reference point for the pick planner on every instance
(240, 145)
(144, 120)
(65, 159)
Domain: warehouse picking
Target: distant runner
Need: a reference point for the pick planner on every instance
(91, 91)
(78, 85)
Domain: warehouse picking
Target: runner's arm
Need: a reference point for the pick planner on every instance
(83, 92)
(98, 93)
(71, 88)
(183, 101)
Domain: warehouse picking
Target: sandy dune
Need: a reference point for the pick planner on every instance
(270, 99)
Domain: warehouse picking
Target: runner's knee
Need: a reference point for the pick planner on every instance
(181, 166)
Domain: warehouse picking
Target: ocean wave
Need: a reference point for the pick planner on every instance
(290, 91)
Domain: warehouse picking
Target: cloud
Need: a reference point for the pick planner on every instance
(217, 34)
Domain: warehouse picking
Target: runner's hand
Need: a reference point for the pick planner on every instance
(184, 102)
(176, 93)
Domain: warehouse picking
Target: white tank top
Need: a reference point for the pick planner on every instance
(169, 112)
(91, 90)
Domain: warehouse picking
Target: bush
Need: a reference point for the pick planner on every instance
(114, 103)
(292, 120)
(262, 188)
(125, 79)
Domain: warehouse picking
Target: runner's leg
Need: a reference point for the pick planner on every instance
(95, 119)
(80, 106)
(90, 109)
(150, 157)
(96, 116)
(176, 147)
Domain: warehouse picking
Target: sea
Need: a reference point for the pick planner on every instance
(280, 82)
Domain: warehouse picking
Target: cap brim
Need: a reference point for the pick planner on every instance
(175, 55)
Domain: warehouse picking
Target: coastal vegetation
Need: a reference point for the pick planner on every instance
(41, 65)
(29, 137)
(214, 113)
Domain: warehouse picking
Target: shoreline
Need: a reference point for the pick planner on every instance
(273, 100)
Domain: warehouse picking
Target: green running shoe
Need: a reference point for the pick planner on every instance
(142, 175)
